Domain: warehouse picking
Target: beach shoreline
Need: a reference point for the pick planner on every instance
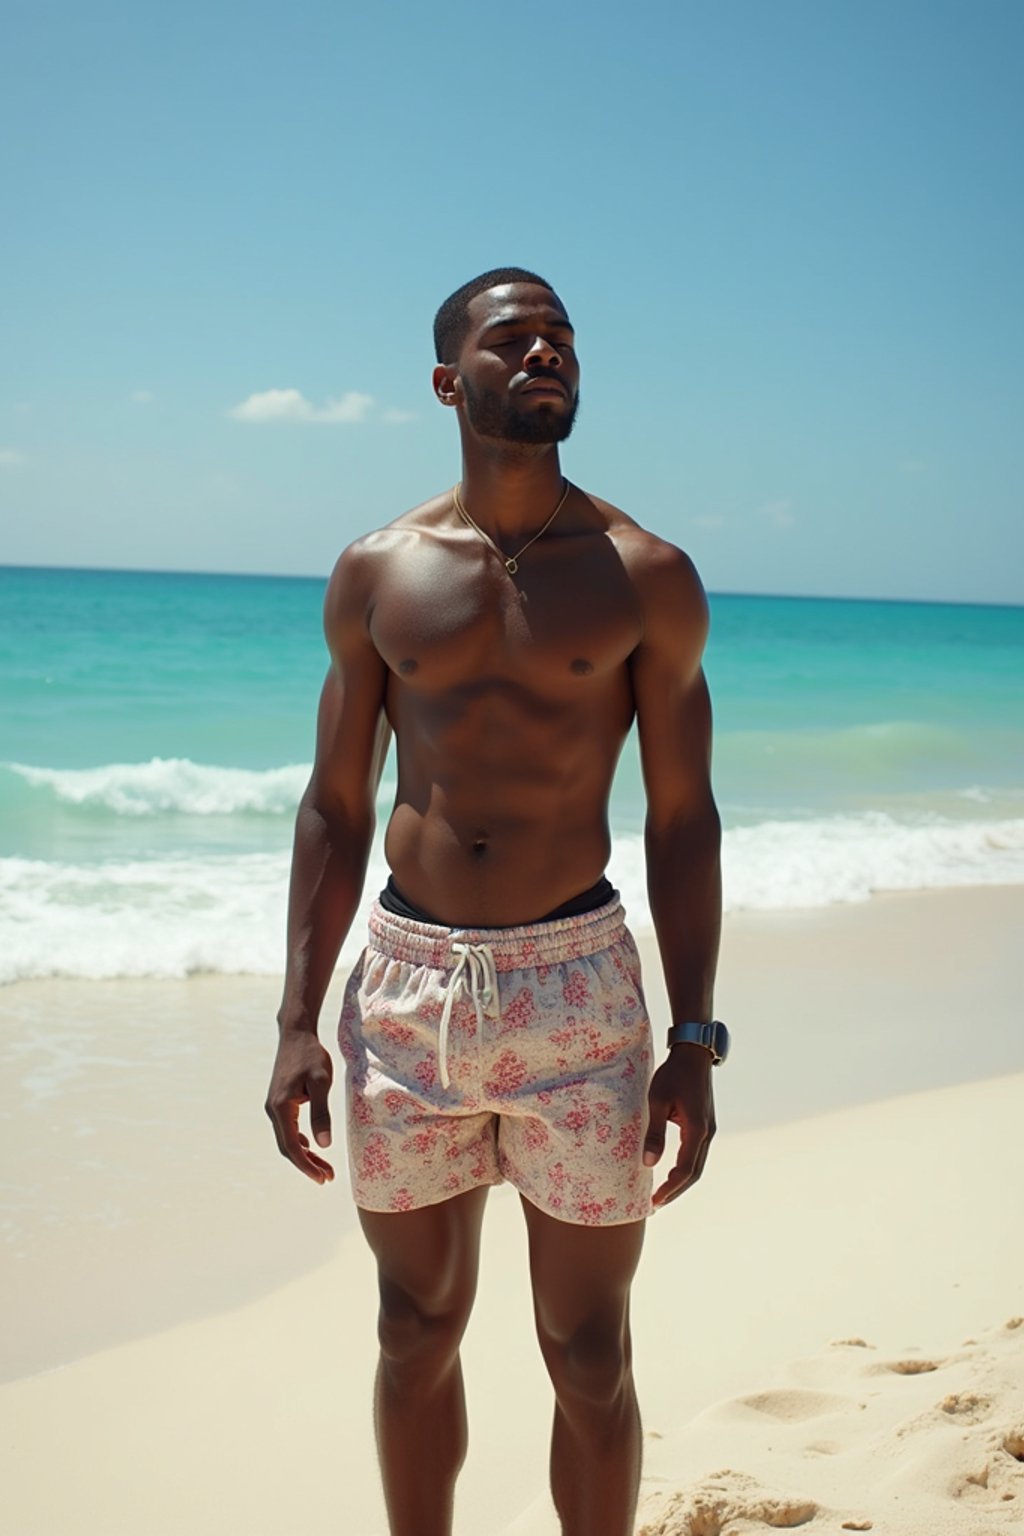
(187, 1302)
(137, 1128)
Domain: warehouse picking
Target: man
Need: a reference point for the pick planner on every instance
(507, 632)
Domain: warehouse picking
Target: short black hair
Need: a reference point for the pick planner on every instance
(452, 320)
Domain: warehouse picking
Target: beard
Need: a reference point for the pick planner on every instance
(494, 415)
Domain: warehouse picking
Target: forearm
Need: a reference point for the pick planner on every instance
(684, 884)
(328, 869)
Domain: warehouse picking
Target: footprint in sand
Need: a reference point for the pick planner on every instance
(794, 1403)
(989, 1483)
(973, 1484)
(710, 1507)
(994, 1479)
(910, 1367)
(967, 1407)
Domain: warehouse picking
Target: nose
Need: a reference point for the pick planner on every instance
(541, 354)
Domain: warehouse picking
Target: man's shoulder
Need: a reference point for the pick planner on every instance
(355, 582)
(650, 559)
(361, 560)
(669, 592)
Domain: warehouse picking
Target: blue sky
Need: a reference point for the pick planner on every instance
(790, 235)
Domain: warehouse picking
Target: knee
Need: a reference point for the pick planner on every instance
(591, 1368)
(418, 1340)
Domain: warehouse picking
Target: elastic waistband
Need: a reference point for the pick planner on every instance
(563, 938)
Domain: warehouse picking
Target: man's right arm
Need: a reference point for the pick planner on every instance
(333, 832)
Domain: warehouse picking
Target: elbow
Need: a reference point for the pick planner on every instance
(696, 824)
(339, 817)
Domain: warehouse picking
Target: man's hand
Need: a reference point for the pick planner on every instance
(302, 1074)
(681, 1092)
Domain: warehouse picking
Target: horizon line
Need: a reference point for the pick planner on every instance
(829, 597)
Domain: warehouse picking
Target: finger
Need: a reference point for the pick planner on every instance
(318, 1169)
(704, 1150)
(314, 1160)
(686, 1171)
(318, 1085)
(680, 1180)
(654, 1140)
(285, 1119)
(675, 1185)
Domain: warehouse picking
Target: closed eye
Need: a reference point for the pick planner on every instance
(517, 341)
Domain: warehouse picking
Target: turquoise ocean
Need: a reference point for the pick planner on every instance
(156, 732)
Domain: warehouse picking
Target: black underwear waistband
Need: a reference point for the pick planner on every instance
(596, 895)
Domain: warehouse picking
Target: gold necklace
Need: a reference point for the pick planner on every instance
(510, 562)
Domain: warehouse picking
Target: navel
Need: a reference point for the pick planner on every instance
(581, 666)
(479, 845)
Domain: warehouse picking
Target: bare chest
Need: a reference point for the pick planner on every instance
(455, 617)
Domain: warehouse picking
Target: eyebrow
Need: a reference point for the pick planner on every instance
(506, 322)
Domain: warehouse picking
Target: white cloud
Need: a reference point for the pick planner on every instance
(396, 416)
(351, 406)
(142, 396)
(291, 405)
(11, 458)
(778, 512)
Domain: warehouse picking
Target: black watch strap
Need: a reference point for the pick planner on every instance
(714, 1037)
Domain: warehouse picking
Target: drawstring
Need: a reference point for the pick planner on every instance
(476, 960)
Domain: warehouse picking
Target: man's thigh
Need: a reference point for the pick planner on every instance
(581, 1275)
(427, 1259)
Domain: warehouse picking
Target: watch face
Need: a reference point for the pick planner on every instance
(721, 1040)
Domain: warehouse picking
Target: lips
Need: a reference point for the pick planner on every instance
(545, 386)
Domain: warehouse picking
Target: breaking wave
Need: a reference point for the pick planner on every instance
(181, 915)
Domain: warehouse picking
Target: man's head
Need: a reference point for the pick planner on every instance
(506, 357)
(451, 323)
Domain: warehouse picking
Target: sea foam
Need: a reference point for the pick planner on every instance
(171, 785)
(226, 912)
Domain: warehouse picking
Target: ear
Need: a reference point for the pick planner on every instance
(446, 384)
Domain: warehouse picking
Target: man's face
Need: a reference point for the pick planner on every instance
(518, 366)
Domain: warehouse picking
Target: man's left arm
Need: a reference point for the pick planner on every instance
(683, 839)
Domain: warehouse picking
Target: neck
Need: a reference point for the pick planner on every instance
(511, 491)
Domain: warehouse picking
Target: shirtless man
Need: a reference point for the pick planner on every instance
(508, 633)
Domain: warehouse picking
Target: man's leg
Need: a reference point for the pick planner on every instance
(581, 1279)
(427, 1268)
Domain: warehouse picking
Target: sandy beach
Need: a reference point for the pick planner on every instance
(827, 1327)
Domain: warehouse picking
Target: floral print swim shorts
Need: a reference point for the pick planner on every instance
(479, 1055)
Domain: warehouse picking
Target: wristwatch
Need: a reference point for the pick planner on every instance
(714, 1036)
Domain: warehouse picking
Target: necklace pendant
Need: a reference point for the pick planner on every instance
(512, 565)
